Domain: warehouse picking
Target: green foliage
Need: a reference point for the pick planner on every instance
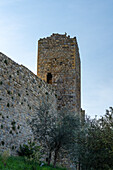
(93, 148)
(45, 126)
(5, 156)
(66, 132)
(30, 151)
(56, 132)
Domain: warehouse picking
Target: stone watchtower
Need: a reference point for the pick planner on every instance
(59, 65)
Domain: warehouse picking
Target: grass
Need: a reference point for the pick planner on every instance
(19, 163)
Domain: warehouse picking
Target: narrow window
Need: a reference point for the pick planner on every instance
(49, 78)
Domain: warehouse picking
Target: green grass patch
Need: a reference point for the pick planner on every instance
(19, 163)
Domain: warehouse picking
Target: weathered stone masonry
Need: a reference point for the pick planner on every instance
(59, 65)
(21, 94)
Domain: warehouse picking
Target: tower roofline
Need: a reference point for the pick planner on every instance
(65, 35)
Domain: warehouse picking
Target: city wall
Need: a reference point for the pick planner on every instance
(21, 95)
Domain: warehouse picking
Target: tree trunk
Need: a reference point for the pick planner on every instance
(49, 158)
(55, 157)
(78, 166)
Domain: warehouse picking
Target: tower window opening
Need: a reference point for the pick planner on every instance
(49, 78)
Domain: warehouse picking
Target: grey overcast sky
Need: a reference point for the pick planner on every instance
(23, 22)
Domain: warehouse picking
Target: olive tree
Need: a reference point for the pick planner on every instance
(55, 131)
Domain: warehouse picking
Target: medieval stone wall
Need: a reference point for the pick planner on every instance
(59, 65)
(21, 95)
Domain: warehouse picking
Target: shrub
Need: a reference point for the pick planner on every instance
(30, 151)
(5, 156)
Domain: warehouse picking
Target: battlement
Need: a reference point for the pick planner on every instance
(58, 39)
(58, 36)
